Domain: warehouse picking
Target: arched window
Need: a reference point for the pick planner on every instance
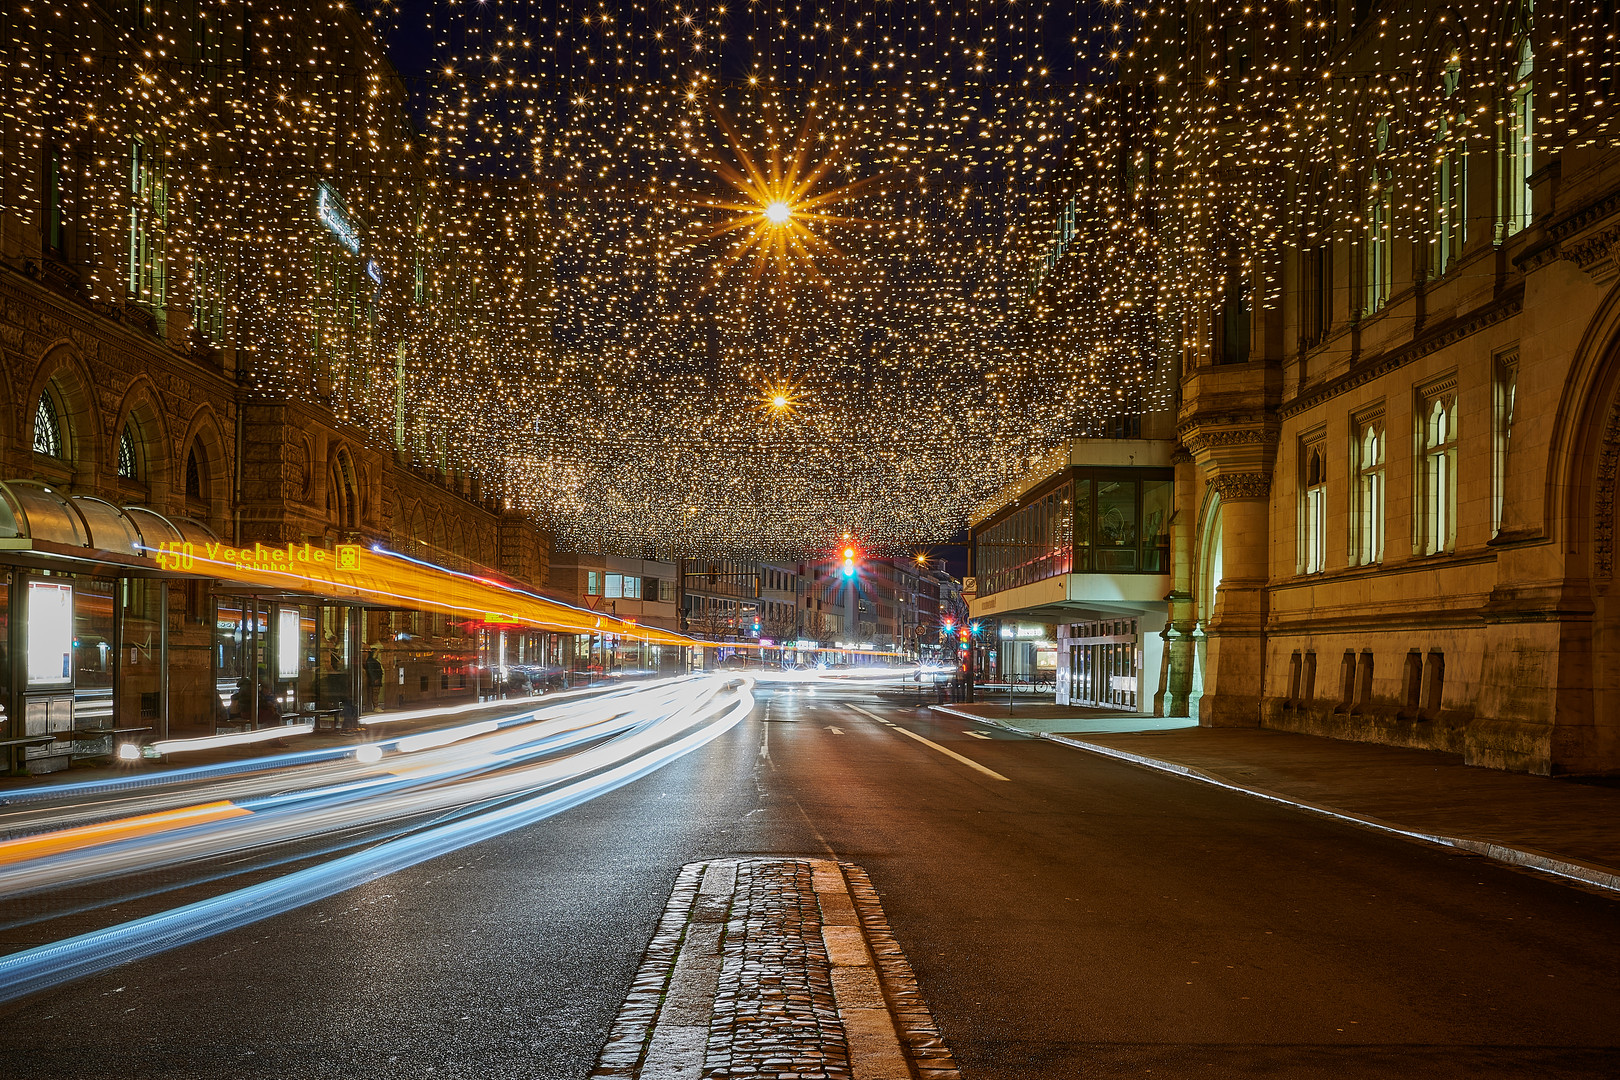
(128, 466)
(1439, 478)
(1313, 510)
(1367, 520)
(194, 476)
(340, 495)
(48, 428)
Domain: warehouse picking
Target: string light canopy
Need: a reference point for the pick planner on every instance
(732, 278)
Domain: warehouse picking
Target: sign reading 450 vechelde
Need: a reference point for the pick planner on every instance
(293, 558)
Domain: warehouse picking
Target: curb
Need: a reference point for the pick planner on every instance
(1587, 873)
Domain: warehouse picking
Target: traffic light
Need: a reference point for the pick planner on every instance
(850, 555)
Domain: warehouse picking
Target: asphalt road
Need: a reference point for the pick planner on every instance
(1079, 918)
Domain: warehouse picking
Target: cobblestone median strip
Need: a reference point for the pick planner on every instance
(775, 969)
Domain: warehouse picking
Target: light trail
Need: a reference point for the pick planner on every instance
(391, 789)
(62, 840)
(649, 735)
(196, 773)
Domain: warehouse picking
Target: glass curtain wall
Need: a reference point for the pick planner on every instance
(1108, 521)
(1031, 545)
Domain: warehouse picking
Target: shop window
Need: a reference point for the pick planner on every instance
(128, 467)
(1437, 504)
(1367, 512)
(48, 438)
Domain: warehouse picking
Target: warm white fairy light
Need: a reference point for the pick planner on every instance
(617, 228)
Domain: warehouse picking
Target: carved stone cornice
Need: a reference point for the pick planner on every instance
(1586, 217)
(1597, 255)
(1579, 238)
(1235, 443)
(1446, 334)
(1253, 485)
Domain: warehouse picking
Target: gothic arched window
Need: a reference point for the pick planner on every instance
(194, 483)
(128, 465)
(48, 428)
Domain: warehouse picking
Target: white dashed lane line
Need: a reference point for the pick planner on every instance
(952, 754)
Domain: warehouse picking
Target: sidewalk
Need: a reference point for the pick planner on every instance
(1563, 826)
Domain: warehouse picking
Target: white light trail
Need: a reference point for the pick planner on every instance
(701, 713)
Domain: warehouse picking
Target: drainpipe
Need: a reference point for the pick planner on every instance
(236, 493)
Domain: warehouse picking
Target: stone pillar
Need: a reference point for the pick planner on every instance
(1234, 672)
(1181, 615)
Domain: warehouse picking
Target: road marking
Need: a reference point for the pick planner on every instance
(947, 751)
(835, 730)
(976, 734)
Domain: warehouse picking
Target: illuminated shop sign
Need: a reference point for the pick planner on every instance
(294, 557)
(50, 633)
(335, 216)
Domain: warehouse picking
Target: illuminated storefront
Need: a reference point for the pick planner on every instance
(123, 626)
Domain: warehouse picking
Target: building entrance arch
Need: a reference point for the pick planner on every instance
(1586, 720)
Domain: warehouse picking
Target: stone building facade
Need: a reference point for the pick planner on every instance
(1396, 503)
(130, 375)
